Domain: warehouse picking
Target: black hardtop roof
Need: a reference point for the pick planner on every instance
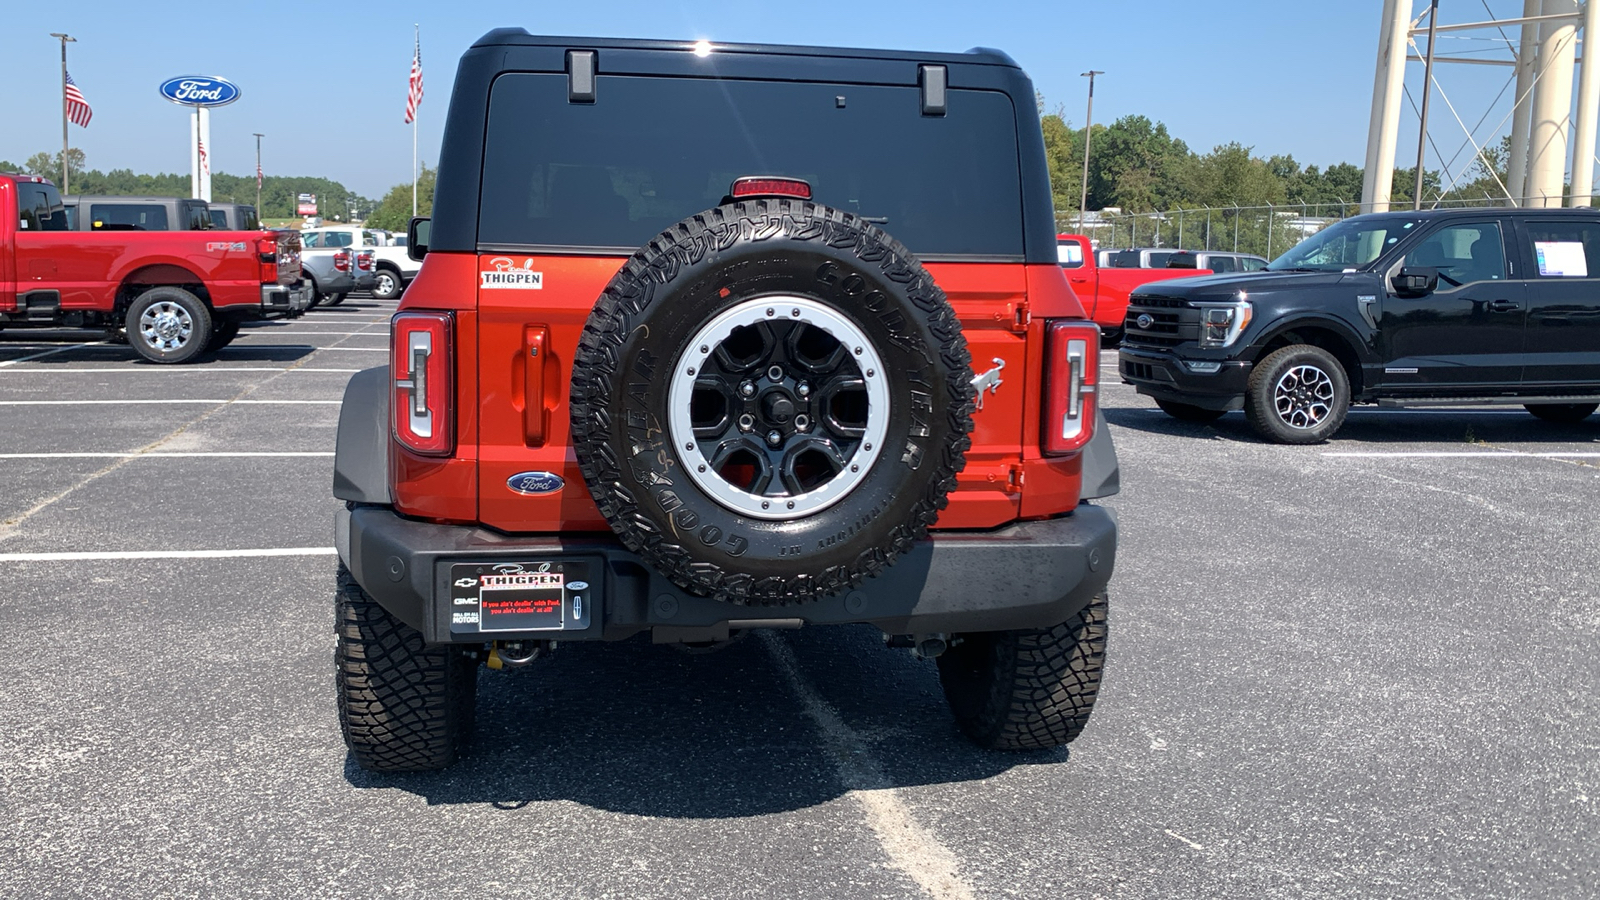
(126, 198)
(519, 37)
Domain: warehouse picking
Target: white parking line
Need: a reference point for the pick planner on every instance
(12, 362)
(165, 454)
(275, 333)
(182, 370)
(1456, 454)
(168, 402)
(912, 849)
(165, 554)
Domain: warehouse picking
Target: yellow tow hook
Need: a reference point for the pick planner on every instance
(494, 661)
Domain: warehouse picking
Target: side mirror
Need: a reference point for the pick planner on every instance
(1416, 281)
(417, 233)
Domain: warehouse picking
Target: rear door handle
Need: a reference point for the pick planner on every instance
(1504, 306)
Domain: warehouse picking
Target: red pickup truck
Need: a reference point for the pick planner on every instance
(1103, 291)
(177, 293)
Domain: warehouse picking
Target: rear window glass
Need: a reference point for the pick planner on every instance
(1566, 249)
(40, 207)
(250, 223)
(219, 218)
(128, 217)
(1069, 254)
(615, 173)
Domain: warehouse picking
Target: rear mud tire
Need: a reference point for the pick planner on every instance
(226, 330)
(1562, 413)
(638, 340)
(1185, 412)
(404, 706)
(1027, 689)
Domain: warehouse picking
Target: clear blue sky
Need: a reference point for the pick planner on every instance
(1283, 76)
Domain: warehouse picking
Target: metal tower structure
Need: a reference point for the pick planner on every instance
(1544, 135)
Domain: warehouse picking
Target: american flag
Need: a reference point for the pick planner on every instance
(258, 175)
(77, 108)
(414, 95)
(205, 165)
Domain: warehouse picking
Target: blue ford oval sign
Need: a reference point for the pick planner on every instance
(535, 482)
(199, 90)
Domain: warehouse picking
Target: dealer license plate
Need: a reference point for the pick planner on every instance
(543, 595)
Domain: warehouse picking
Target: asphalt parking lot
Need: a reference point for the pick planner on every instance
(1364, 669)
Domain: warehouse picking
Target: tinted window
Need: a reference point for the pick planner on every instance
(310, 239)
(1222, 264)
(1069, 254)
(198, 215)
(219, 218)
(336, 239)
(127, 217)
(40, 207)
(1565, 249)
(1251, 264)
(1160, 258)
(1348, 244)
(1462, 253)
(1123, 259)
(250, 223)
(652, 151)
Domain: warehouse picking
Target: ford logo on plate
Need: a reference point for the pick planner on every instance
(199, 90)
(535, 482)
(1144, 321)
(577, 585)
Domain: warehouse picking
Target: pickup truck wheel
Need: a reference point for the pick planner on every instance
(224, 333)
(335, 299)
(1188, 413)
(1297, 395)
(1562, 413)
(316, 292)
(1028, 689)
(168, 325)
(770, 402)
(404, 706)
(387, 286)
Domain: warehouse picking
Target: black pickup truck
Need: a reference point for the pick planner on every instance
(1436, 308)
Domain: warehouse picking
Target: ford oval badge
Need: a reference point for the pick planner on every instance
(535, 483)
(1144, 320)
(577, 585)
(199, 90)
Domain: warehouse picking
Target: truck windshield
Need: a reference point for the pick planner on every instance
(1350, 244)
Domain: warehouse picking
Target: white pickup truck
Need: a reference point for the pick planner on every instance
(394, 268)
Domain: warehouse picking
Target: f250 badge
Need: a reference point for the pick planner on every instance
(504, 273)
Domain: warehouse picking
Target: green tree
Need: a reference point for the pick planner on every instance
(394, 210)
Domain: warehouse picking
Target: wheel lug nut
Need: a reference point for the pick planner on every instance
(747, 422)
(775, 373)
(774, 438)
(747, 389)
(803, 389)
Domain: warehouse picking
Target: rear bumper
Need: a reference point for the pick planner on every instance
(280, 299)
(1027, 575)
(1166, 376)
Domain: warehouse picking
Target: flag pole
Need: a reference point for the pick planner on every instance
(259, 136)
(414, 115)
(66, 184)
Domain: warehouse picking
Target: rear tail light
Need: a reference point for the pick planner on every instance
(364, 260)
(267, 254)
(1071, 377)
(341, 260)
(762, 186)
(420, 364)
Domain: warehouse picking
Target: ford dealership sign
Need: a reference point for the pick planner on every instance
(199, 90)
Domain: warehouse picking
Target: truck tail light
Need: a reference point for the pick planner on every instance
(1071, 378)
(364, 260)
(764, 186)
(420, 364)
(267, 254)
(341, 260)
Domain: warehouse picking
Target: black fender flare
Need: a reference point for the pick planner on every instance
(1101, 476)
(361, 453)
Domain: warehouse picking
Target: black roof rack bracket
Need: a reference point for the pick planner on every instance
(934, 80)
(580, 76)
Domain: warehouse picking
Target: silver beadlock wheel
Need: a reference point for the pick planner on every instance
(1303, 397)
(166, 326)
(778, 407)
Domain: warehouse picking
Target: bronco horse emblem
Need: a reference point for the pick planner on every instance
(989, 381)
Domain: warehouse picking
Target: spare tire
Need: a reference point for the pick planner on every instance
(771, 401)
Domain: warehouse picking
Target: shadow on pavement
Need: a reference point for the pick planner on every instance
(1507, 425)
(654, 731)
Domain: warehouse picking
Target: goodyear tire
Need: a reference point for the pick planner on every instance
(1028, 689)
(771, 401)
(404, 706)
(168, 325)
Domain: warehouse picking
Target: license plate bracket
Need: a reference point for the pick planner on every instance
(516, 596)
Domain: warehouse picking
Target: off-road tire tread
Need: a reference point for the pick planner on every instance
(404, 706)
(1263, 417)
(655, 265)
(1028, 689)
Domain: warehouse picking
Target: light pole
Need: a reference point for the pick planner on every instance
(1088, 131)
(66, 183)
(259, 136)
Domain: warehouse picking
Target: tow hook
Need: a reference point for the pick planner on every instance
(516, 654)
